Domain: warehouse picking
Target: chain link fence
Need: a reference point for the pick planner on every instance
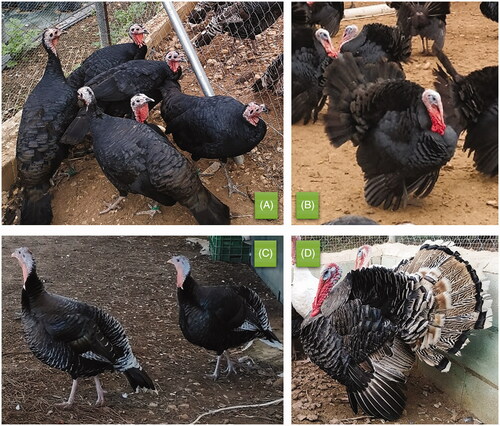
(332, 244)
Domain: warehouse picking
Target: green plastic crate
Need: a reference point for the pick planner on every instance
(229, 249)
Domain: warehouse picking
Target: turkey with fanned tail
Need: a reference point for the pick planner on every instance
(367, 330)
(73, 336)
(220, 318)
(397, 125)
(471, 103)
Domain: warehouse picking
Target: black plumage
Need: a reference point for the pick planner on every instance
(272, 79)
(376, 42)
(471, 104)
(351, 220)
(220, 317)
(73, 336)
(47, 112)
(366, 330)
(489, 9)
(397, 125)
(110, 56)
(308, 67)
(137, 159)
(202, 8)
(211, 126)
(243, 20)
(425, 19)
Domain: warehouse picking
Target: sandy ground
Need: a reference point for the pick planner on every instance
(129, 278)
(461, 195)
(231, 69)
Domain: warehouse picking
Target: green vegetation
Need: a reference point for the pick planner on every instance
(20, 40)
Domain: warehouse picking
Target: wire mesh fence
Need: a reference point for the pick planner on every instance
(336, 243)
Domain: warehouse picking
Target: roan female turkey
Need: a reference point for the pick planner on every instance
(220, 318)
(366, 330)
(398, 127)
(73, 336)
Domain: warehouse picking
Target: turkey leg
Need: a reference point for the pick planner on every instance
(71, 398)
(112, 206)
(100, 392)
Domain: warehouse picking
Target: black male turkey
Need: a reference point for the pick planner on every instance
(425, 19)
(219, 318)
(397, 125)
(471, 104)
(47, 112)
(73, 336)
(367, 330)
(489, 9)
(136, 159)
(110, 56)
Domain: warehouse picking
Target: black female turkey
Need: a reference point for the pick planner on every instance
(73, 336)
(397, 125)
(219, 318)
(367, 330)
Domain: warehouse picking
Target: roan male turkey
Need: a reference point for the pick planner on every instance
(220, 318)
(367, 330)
(73, 336)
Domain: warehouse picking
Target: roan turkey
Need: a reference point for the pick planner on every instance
(48, 111)
(367, 330)
(397, 125)
(219, 318)
(73, 336)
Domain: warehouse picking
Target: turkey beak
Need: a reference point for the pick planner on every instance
(151, 100)
(264, 109)
(144, 31)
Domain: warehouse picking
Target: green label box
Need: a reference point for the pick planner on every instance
(266, 205)
(307, 205)
(265, 254)
(308, 254)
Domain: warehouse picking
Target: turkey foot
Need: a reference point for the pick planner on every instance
(153, 209)
(230, 365)
(112, 206)
(211, 170)
(100, 392)
(71, 399)
(231, 186)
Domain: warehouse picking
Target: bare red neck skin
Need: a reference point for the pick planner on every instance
(324, 288)
(174, 65)
(138, 39)
(437, 121)
(141, 113)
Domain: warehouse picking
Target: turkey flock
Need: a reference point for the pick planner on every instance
(367, 328)
(404, 133)
(85, 341)
(107, 100)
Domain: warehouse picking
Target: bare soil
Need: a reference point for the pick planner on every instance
(317, 398)
(461, 195)
(231, 67)
(129, 278)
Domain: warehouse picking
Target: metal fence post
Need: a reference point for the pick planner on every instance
(103, 23)
(188, 48)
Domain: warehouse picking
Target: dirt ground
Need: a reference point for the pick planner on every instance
(231, 70)
(134, 269)
(317, 398)
(461, 195)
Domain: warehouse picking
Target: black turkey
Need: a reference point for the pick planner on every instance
(47, 112)
(110, 56)
(471, 103)
(425, 19)
(398, 127)
(352, 220)
(308, 67)
(367, 330)
(73, 336)
(376, 42)
(136, 159)
(202, 8)
(243, 20)
(219, 318)
(489, 9)
(114, 88)
(272, 79)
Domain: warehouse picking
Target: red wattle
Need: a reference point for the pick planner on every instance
(141, 113)
(174, 65)
(438, 125)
